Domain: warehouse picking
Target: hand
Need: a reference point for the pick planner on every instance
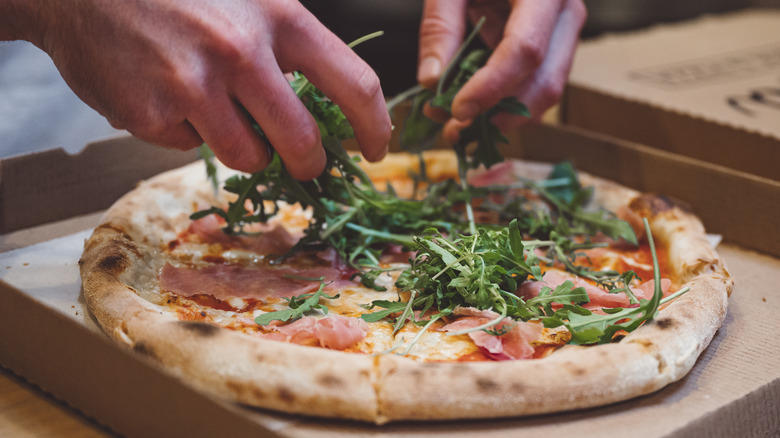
(180, 73)
(533, 44)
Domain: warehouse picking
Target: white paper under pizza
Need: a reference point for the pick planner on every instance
(49, 272)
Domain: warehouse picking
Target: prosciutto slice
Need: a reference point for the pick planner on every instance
(271, 239)
(515, 344)
(598, 297)
(334, 331)
(499, 174)
(226, 281)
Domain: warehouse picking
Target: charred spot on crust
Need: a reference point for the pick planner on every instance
(114, 264)
(664, 323)
(650, 204)
(117, 229)
(487, 385)
(144, 350)
(201, 328)
(578, 371)
(285, 394)
(330, 380)
(258, 393)
(517, 387)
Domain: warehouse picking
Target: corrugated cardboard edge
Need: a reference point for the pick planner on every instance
(51, 185)
(679, 112)
(628, 118)
(603, 106)
(106, 388)
(730, 201)
(731, 420)
(708, 20)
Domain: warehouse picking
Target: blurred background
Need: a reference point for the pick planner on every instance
(394, 56)
(38, 111)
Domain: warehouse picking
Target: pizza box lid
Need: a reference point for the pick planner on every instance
(707, 88)
(47, 337)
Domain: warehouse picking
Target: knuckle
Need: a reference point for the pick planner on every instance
(233, 48)
(368, 85)
(303, 139)
(240, 155)
(433, 25)
(552, 88)
(156, 127)
(189, 85)
(229, 154)
(530, 53)
(145, 126)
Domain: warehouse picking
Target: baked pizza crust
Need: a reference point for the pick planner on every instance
(122, 258)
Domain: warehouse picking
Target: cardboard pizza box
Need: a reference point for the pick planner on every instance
(708, 88)
(48, 338)
(52, 185)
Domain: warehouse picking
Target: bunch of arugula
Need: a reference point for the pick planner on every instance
(484, 270)
(348, 212)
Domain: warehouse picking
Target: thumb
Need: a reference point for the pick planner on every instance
(442, 30)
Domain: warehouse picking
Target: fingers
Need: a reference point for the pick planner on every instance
(522, 50)
(268, 97)
(182, 136)
(346, 79)
(545, 87)
(442, 30)
(495, 13)
(451, 130)
(229, 134)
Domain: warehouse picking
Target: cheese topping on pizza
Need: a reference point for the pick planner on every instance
(233, 280)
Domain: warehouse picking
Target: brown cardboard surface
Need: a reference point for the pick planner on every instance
(708, 89)
(744, 208)
(52, 185)
(732, 390)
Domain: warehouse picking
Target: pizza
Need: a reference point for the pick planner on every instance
(260, 319)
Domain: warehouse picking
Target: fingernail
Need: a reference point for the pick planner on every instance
(430, 70)
(465, 111)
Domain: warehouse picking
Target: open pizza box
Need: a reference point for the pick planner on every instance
(50, 201)
(707, 88)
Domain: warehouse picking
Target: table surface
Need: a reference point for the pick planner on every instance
(26, 411)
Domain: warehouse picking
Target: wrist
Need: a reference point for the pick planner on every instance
(23, 20)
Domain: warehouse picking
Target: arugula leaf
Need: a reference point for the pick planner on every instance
(299, 305)
(419, 131)
(565, 293)
(594, 328)
(211, 169)
(390, 307)
(568, 188)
